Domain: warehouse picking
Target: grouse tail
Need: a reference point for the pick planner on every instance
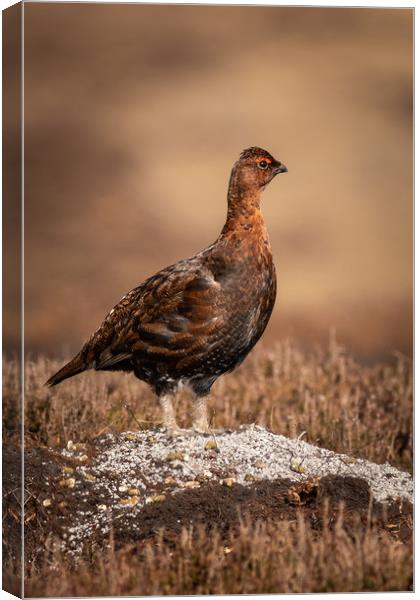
(74, 367)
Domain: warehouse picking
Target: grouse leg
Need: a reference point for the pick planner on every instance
(200, 421)
(168, 414)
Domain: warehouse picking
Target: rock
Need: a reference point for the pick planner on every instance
(69, 483)
(210, 445)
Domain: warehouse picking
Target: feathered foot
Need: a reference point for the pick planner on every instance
(200, 420)
(169, 420)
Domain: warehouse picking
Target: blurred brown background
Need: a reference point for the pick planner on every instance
(134, 116)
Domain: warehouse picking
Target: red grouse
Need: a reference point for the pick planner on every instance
(198, 318)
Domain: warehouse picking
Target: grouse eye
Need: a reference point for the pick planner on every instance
(263, 164)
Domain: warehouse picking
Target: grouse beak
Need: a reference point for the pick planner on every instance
(281, 168)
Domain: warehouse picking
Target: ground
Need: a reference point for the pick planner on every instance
(113, 507)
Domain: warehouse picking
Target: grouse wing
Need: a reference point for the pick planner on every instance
(176, 313)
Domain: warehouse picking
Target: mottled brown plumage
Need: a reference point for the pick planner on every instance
(199, 318)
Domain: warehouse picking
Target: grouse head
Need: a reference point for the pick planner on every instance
(256, 168)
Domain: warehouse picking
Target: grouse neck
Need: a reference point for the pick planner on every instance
(244, 211)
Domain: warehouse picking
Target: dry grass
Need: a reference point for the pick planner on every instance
(361, 410)
(260, 558)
